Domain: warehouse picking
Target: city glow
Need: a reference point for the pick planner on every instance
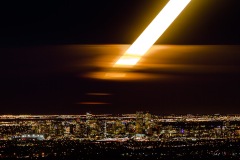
(115, 75)
(150, 35)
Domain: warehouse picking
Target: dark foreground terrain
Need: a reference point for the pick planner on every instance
(69, 149)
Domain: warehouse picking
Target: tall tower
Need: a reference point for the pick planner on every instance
(139, 123)
(105, 129)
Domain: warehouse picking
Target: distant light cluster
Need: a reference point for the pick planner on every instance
(138, 136)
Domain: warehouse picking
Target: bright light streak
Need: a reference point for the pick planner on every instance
(98, 94)
(150, 35)
(128, 60)
(92, 103)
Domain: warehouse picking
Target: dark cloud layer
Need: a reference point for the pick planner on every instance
(169, 79)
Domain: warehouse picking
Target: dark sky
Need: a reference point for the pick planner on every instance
(119, 21)
(42, 72)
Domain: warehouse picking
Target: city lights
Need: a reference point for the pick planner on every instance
(78, 136)
(150, 35)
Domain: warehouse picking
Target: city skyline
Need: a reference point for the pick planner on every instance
(129, 136)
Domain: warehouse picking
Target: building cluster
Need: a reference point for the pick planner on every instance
(140, 126)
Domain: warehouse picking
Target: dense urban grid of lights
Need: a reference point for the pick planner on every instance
(150, 35)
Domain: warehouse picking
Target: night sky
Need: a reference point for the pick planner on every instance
(50, 52)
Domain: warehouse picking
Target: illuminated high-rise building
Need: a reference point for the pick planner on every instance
(139, 123)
